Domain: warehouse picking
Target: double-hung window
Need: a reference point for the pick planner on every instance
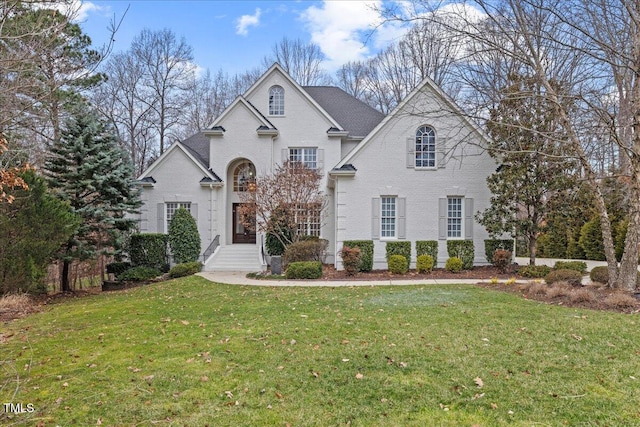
(308, 220)
(307, 156)
(172, 208)
(388, 217)
(454, 217)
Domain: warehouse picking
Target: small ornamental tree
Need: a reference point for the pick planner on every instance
(292, 196)
(184, 239)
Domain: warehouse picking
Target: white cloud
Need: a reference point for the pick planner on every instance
(246, 21)
(340, 29)
(76, 10)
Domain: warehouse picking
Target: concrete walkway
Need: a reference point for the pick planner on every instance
(240, 278)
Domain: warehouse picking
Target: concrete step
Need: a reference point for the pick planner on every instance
(235, 258)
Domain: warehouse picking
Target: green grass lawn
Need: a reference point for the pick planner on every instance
(194, 353)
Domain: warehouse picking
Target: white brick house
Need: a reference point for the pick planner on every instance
(417, 174)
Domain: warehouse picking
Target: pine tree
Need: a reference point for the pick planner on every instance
(88, 169)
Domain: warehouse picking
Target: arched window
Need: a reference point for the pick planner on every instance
(425, 147)
(276, 101)
(244, 177)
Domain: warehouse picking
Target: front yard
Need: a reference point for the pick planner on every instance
(191, 352)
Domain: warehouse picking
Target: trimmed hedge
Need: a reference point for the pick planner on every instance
(579, 266)
(454, 265)
(564, 275)
(305, 250)
(185, 269)
(491, 245)
(138, 274)
(424, 263)
(366, 249)
(462, 249)
(399, 248)
(184, 238)
(304, 270)
(427, 247)
(534, 271)
(397, 264)
(150, 250)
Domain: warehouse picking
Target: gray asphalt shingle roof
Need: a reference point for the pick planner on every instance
(354, 116)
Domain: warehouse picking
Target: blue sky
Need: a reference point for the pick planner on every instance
(235, 35)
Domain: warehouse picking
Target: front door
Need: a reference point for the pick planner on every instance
(241, 234)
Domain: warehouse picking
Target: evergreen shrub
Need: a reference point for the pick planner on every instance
(304, 270)
(491, 245)
(454, 265)
(397, 264)
(534, 271)
(399, 248)
(366, 252)
(600, 274)
(424, 263)
(149, 250)
(117, 268)
(462, 249)
(501, 259)
(427, 247)
(305, 250)
(591, 240)
(573, 277)
(579, 266)
(138, 274)
(185, 269)
(184, 238)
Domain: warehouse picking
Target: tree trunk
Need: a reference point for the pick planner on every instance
(532, 250)
(64, 283)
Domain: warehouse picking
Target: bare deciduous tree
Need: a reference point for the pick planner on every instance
(303, 61)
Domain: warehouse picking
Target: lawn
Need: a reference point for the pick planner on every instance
(191, 352)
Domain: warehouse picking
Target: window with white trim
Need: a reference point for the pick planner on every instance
(276, 101)
(307, 156)
(454, 217)
(387, 217)
(173, 207)
(308, 220)
(425, 147)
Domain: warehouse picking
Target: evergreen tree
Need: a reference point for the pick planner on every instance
(184, 239)
(89, 170)
(527, 142)
(32, 228)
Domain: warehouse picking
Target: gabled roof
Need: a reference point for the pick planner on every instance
(426, 83)
(241, 100)
(194, 153)
(353, 115)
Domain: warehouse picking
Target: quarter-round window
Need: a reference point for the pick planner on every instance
(425, 147)
(244, 177)
(276, 101)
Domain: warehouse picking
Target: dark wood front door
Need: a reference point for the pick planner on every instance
(241, 234)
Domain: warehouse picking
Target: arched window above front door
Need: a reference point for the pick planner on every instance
(244, 177)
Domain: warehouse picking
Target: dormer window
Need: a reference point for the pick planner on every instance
(276, 101)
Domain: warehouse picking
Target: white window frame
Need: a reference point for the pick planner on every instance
(307, 156)
(388, 217)
(425, 138)
(311, 220)
(276, 101)
(170, 209)
(455, 217)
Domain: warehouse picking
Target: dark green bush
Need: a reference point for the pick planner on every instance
(462, 249)
(138, 274)
(574, 278)
(399, 248)
(366, 249)
(591, 240)
(454, 265)
(351, 259)
(424, 263)
(305, 250)
(427, 247)
(534, 271)
(184, 239)
(601, 275)
(501, 259)
(491, 245)
(117, 268)
(397, 264)
(185, 269)
(280, 232)
(304, 270)
(150, 250)
(579, 266)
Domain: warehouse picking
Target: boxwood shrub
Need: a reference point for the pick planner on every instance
(573, 277)
(399, 248)
(304, 270)
(366, 252)
(462, 249)
(397, 264)
(453, 265)
(601, 274)
(427, 247)
(424, 263)
(579, 266)
(185, 269)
